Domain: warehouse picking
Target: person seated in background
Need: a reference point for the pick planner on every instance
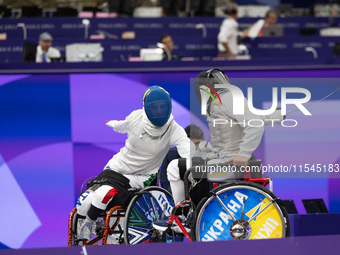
(45, 51)
(228, 36)
(167, 41)
(256, 29)
(196, 135)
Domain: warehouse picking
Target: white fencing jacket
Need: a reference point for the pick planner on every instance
(146, 145)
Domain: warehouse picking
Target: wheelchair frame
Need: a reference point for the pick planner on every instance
(72, 231)
(187, 203)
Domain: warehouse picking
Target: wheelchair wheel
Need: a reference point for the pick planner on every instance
(147, 205)
(240, 210)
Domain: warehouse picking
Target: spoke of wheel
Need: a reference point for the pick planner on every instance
(154, 208)
(244, 201)
(164, 208)
(225, 208)
(259, 212)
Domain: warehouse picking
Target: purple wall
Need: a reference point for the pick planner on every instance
(53, 136)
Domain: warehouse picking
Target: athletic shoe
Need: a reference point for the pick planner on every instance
(162, 225)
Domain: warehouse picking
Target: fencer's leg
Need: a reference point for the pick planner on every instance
(84, 224)
(92, 204)
(84, 203)
(177, 185)
(103, 196)
(178, 192)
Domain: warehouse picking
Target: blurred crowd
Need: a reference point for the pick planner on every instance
(48, 8)
(228, 40)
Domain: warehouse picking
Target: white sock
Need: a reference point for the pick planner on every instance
(177, 188)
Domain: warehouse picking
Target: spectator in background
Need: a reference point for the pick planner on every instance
(228, 36)
(256, 29)
(45, 51)
(196, 135)
(167, 41)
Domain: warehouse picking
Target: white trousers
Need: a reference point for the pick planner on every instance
(96, 197)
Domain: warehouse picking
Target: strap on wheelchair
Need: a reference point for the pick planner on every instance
(182, 167)
(111, 178)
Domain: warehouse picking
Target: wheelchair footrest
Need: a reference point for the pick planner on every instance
(170, 232)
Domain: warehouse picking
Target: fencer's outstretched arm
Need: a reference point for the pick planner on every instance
(180, 139)
(119, 126)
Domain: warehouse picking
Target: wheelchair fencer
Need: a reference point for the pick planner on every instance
(241, 208)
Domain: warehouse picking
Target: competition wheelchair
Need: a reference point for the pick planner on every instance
(129, 223)
(241, 208)
(237, 207)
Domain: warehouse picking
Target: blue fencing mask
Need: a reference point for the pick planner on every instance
(157, 105)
